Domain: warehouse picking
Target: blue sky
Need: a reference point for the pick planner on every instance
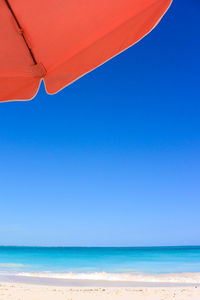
(113, 159)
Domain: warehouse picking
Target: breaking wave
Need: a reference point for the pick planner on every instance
(133, 277)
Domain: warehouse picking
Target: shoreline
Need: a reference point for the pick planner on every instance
(108, 279)
(59, 282)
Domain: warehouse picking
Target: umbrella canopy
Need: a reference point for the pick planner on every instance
(59, 41)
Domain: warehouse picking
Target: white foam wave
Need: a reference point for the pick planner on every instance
(133, 277)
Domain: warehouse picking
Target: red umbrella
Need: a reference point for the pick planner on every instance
(61, 40)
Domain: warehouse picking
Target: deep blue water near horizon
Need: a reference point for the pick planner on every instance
(100, 259)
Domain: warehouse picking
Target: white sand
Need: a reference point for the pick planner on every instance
(23, 291)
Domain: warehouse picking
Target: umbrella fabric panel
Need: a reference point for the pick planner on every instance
(18, 88)
(134, 25)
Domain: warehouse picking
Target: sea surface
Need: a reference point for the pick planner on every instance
(166, 264)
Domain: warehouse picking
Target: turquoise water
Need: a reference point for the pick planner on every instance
(110, 260)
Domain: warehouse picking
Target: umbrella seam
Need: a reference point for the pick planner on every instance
(21, 31)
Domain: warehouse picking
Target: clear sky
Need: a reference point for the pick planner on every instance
(113, 159)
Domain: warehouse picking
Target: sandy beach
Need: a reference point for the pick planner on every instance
(24, 291)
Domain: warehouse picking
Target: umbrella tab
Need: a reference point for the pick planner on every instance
(38, 70)
(20, 31)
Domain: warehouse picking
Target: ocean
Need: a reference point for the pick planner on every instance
(130, 264)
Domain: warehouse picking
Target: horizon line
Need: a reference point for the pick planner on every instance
(49, 246)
